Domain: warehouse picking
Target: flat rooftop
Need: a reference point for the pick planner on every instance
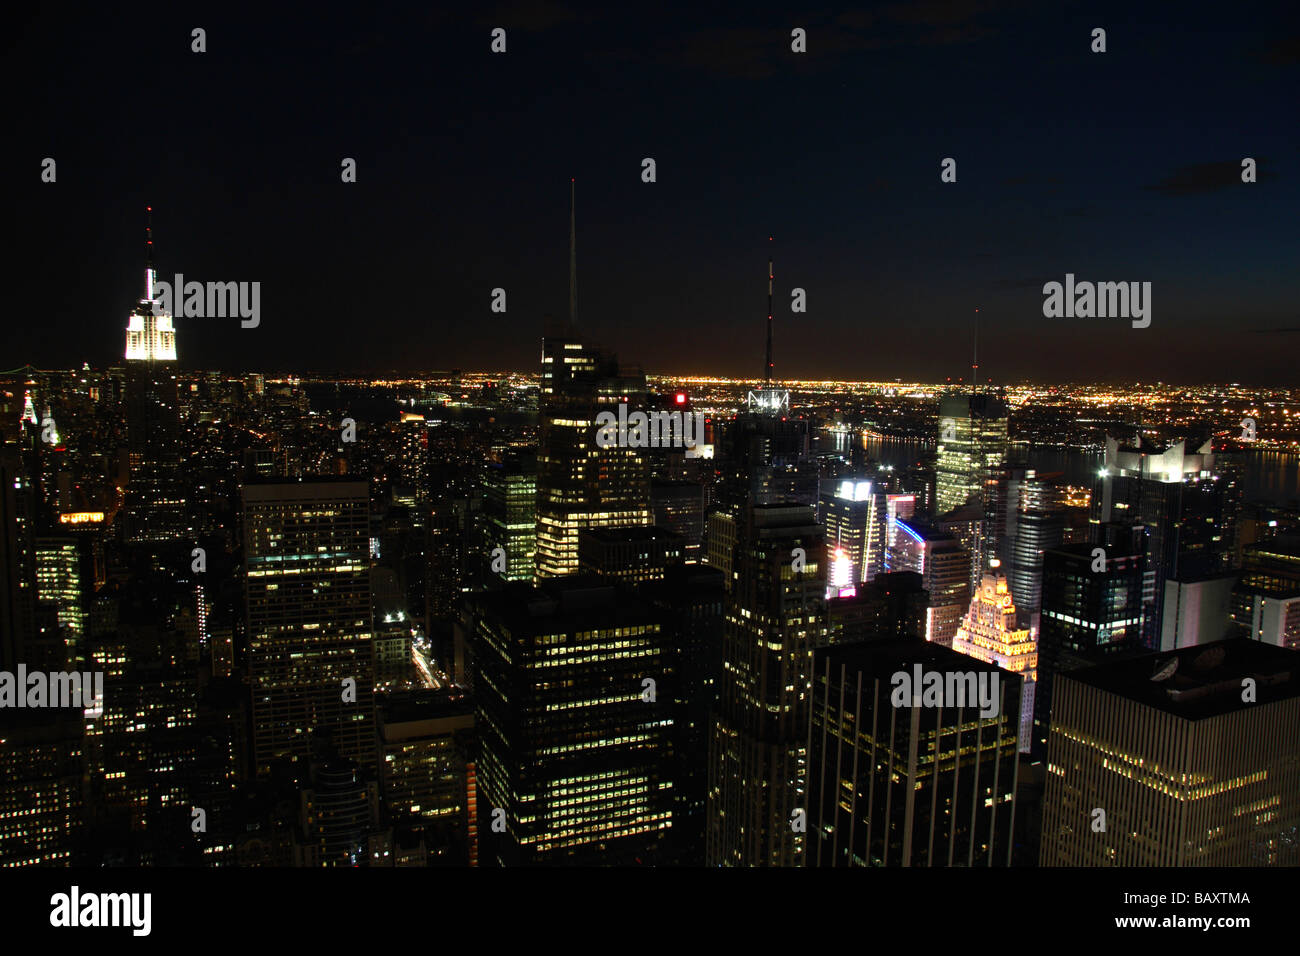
(1200, 681)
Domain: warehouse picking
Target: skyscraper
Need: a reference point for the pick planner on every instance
(510, 515)
(575, 759)
(59, 569)
(757, 755)
(908, 785)
(1088, 616)
(989, 633)
(1035, 523)
(307, 583)
(944, 566)
(1187, 759)
(972, 446)
(579, 484)
(1266, 601)
(679, 506)
(690, 601)
(972, 449)
(155, 499)
(854, 526)
(1187, 514)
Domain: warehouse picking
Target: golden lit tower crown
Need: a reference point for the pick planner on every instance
(989, 633)
(150, 335)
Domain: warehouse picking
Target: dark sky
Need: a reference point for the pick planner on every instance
(1114, 166)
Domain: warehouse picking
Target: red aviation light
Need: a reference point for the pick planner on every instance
(680, 398)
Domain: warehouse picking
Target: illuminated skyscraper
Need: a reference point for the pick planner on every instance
(853, 530)
(989, 633)
(1185, 509)
(579, 484)
(944, 566)
(307, 583)
(155, 499)
(775, 616)
(59, 579)
(510, 515)
(575, 758)
(972, 445)
(1035, 523)
(413, 441)
(972, 449)
(42, 771)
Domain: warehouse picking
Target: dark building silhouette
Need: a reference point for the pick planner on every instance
(775, 616)
(908, 785)
(1088, 616)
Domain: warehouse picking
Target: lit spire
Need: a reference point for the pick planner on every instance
(148, 253)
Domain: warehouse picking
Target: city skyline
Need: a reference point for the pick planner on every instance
(910, 477)
(893, 261)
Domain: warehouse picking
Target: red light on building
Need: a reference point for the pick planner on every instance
(681, 398)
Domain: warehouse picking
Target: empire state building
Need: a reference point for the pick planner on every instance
(155, 503)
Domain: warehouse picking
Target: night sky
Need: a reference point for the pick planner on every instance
(1122, 166)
